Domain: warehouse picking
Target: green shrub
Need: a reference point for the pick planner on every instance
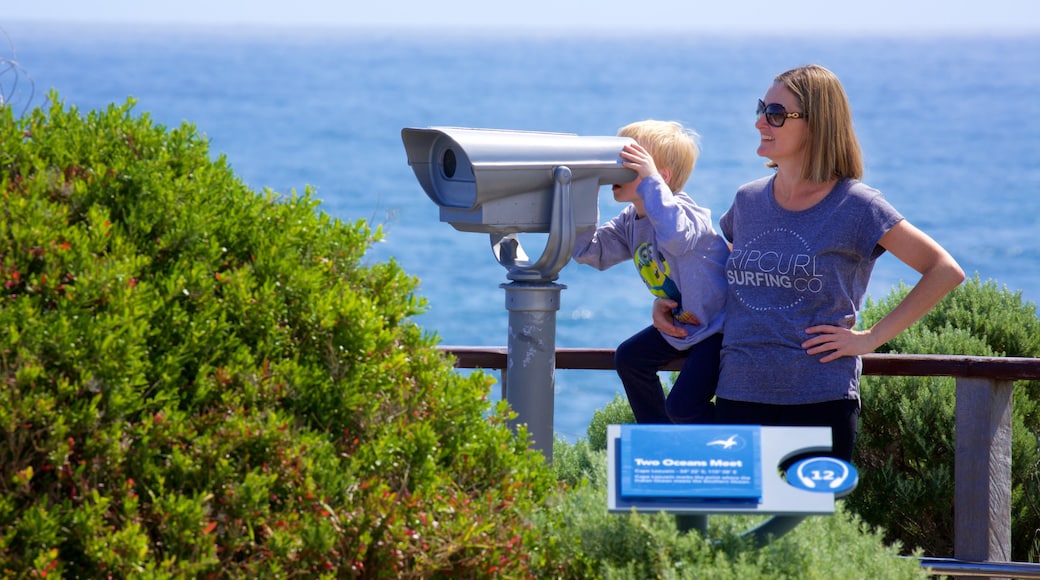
(198, 380)
(616, 412)
(588, 542)
(906, 447)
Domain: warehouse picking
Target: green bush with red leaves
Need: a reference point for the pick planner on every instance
(203, 381)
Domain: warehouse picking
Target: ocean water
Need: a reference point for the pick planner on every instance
(950, 128)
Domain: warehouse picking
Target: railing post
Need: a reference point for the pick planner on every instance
(982, 470)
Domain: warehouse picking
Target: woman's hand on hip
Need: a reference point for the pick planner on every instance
(837, 341)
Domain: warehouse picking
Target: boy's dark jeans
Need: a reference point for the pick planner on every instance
(637, 361)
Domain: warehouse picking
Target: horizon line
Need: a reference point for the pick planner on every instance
(523, 30)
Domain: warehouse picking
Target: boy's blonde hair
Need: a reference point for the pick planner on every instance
(672, 146)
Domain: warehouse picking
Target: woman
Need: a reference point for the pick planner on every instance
(804, 242)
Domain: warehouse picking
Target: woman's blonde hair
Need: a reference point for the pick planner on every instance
(672, 146)
(832, 150)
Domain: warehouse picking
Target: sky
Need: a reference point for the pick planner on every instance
(569, 16)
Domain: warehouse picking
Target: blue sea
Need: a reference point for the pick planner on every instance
(950, 128)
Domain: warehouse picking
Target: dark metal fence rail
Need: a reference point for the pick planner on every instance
(962, 569)
(982, 467)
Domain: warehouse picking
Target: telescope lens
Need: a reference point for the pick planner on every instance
(449, 163)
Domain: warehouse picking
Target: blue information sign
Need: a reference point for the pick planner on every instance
(710, 462)
(823, 474)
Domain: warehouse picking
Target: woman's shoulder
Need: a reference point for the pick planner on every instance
(860, 197)
(756, 185)
(858, 189)
(860, 194)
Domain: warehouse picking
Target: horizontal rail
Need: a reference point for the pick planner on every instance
(918, 365)
(962, 568)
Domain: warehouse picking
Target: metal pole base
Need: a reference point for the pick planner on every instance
(531, 358)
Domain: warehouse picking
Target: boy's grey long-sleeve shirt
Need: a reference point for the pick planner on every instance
(676, 251)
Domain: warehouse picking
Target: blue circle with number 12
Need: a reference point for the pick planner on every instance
(824, 475)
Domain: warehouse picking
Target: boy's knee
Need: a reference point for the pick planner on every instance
(622, 357)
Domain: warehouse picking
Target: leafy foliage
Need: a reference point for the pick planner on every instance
(616, 412)
(198, 380)
(588, 542)
(906, 447)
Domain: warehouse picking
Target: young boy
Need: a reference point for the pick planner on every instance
(679, 255)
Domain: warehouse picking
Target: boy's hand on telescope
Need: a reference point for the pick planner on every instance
(636, 158)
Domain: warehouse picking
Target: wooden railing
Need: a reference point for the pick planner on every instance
(982, 466)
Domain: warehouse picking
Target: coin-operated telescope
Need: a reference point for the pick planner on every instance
(505, 183)
(509, 182)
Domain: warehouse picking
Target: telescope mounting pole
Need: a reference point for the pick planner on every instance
(532, 299)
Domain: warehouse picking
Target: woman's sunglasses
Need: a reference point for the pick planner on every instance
(776, 114)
